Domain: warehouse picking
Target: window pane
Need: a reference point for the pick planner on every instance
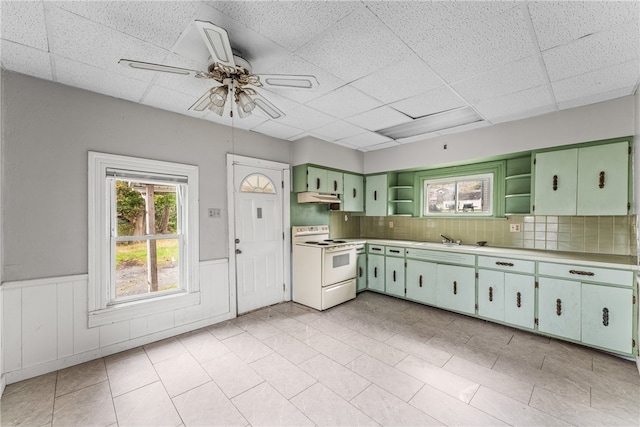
(473, 196)
(441, 197)
(257, 183)
(131, 207)
(132, 267)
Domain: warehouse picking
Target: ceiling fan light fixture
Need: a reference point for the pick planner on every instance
(245, 102)
(218, 109)
(219, 96)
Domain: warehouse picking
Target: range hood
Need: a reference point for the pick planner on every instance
(318, 198)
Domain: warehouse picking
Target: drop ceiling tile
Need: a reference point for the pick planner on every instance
(246, 123)
(594, 99)
(25, 60)
(356, 46)
(379, 118)
(510, 78)
(23, 22)
(593, 52)
(157, 22)
(484, 46)
(618, 77)
(277, 130)
(94, 79)
(304, 20)
(433, 101)
(337, 130)
(528, 103)
(558, 23)
(399, 81)
(303, 117)
(79, 39)
(366, 139)
(344, 102)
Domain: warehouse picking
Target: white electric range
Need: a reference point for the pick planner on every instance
(324, 269)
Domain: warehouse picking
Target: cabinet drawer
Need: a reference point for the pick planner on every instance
(507, 264)
(375, 249)
(442, 256)
(394, 251)
(586, 273)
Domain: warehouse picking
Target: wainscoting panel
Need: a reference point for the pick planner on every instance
(44, 322)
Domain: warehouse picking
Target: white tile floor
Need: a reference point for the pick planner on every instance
(375, 360)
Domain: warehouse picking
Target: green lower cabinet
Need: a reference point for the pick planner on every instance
(394, 271)
(491, 294)
(375, 272)
(421, 279)
(607, 316)
(560, 307)
(519, 300)
(456, 288)
(361, 272)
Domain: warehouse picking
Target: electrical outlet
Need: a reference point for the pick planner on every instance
(514, 228)
(390, 224)
(214, 213)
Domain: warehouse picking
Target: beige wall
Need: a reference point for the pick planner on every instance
(312, 150)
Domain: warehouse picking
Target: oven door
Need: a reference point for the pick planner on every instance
(339, 265)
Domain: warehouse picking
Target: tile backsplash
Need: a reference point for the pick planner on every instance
(616, 235)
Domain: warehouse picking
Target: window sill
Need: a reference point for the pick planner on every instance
(132, 310)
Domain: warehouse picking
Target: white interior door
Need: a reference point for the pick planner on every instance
(259, 237)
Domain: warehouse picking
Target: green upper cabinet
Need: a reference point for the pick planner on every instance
(334, 182)
(353, 198)
(312, 178)
(589, 180)
(556, 182)
(376, 199)
(603, 177)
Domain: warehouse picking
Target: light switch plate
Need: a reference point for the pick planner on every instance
(214, 213)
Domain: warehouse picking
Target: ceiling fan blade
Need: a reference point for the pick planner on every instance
(138, 65)
(288, 81)
(202, 103)
(217, 41)
(270, 109)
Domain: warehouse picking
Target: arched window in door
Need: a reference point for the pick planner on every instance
(257, 183)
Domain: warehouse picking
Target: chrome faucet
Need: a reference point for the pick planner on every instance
(447, 239)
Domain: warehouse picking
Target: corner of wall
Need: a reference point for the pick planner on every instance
(2, 376)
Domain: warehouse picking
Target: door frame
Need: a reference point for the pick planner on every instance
(233, 159)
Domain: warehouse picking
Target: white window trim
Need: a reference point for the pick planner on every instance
(100, 313)
(425, 210)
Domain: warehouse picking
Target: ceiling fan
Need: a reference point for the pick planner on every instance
(234, 75)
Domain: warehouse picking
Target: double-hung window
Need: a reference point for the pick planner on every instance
(143, 235)
(464, 195)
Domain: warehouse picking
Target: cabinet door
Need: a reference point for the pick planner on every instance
(421, 281)
(353, 198)
(361, 272)
(519, 300)
(376, 195)
(334, 182)
(607, 317)
(556, 182)
(559, 307)
(375, 272)
(603, 179)
(317, 179)
(394, 273)
(491, 294)
(457, 288)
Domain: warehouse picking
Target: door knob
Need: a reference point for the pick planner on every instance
(237, 240)
(238, 251)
